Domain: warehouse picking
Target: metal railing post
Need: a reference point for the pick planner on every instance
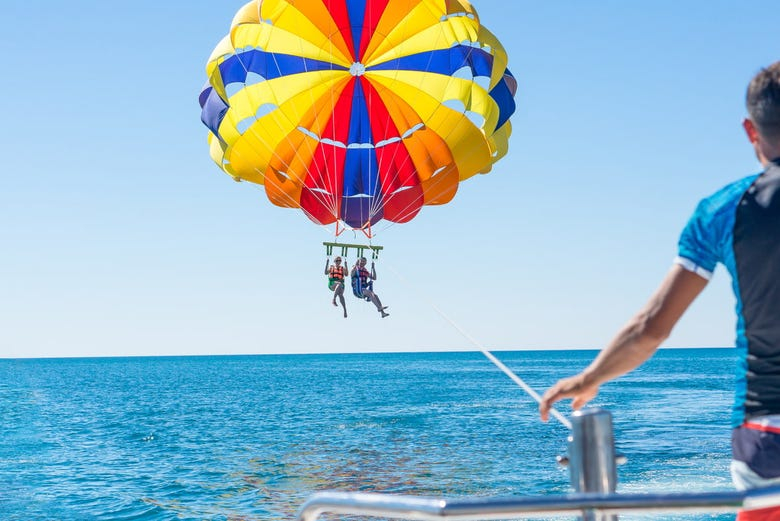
(592, 464)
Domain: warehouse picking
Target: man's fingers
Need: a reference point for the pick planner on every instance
(583, 398)
(544, 409)
(550, 397)
(566, 388)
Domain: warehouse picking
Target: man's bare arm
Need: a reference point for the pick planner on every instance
(634, 343)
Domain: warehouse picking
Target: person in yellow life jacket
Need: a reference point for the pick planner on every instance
(336, 275)
(363, 285)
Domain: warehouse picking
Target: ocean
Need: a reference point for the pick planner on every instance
(251, 437)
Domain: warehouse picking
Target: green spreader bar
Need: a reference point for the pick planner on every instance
(359, 248)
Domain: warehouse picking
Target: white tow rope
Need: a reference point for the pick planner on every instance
(519, 381)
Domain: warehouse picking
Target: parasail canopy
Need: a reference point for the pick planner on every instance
(356, 111)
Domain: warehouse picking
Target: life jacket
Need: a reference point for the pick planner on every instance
(362, 273)
(360, 282)
(337, 272)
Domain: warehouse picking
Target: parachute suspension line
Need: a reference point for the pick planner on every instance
(420, 86)
(327, 201)
(330, 173)
(287, 197)
(398, 150)
(294, 204)
(366, 229)
(434, 183)
(377, 201)
(261, 188)
(387, 224)
(519, 381)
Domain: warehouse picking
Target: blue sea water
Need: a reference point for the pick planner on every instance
(251, 437)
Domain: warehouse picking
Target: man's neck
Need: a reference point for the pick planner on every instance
(768, 153)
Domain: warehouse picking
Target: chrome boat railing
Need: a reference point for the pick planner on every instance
(592, 465)
(431, 509)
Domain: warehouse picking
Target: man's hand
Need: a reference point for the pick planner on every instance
(574, 387)
(634, 343)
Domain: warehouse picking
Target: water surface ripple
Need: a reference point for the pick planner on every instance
(251, 437)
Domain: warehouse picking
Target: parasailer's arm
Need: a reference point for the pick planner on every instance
(327, 263)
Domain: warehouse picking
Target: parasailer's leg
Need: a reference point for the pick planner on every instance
(339, 292)
(378, 303)
(333, 285)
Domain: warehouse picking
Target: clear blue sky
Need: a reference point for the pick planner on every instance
(120, 236)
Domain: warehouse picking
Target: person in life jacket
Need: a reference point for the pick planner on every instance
(363, 285)
(336, 275)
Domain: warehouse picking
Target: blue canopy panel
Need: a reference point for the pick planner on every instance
(356, 10)
(362, 188)
(213, 110)
(236, 69)
(449, 61)
(443, 61)
(504, 95)
(269, 65)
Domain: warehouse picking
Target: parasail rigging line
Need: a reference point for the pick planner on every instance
(519, 381)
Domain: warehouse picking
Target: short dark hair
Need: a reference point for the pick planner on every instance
(763, 101)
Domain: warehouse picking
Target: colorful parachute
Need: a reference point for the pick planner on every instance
(358, 110)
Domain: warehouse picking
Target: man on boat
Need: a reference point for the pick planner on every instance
(336, 275)
(363, 284)
(738, 226)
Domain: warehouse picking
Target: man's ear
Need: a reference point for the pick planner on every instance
(750, 130)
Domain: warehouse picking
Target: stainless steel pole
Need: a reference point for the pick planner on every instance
(592, 464)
